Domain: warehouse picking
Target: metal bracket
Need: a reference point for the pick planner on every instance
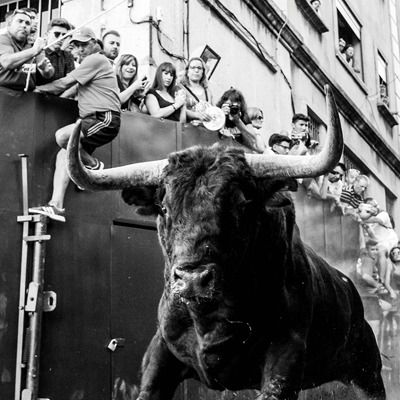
(30, 218)
(36, 238)
(116, 342)
(32, 297)
(49, 301)
(27, 395)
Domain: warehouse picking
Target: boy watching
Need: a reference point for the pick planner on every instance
(369, 283)
(367, 269)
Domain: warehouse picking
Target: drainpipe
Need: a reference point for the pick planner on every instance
(151, 37)
(186, 31)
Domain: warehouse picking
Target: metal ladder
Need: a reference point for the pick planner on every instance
(32, 302)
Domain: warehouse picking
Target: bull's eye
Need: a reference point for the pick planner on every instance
(164, 210)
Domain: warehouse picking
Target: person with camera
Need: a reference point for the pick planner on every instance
(332, 185)
(301, 140)
(132, 89)
(237, 123)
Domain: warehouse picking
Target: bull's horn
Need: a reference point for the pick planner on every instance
(145, 173)
(292, 166)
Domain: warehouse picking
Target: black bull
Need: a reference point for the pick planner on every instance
(246, 304)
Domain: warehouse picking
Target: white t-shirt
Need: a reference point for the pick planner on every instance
(384, 232)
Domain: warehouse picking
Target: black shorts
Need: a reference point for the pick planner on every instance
(99, 128)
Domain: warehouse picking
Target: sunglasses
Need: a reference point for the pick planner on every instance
(336, 173)
(259, 117)
(15, 12)
(57, 34)
(284, 147)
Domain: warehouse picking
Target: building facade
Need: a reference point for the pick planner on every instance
(280, 54)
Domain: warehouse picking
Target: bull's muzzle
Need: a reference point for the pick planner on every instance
(193, 282)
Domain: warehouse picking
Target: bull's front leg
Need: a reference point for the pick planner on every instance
(161, 372)
(283, 370)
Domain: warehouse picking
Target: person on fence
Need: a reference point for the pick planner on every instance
(376, 225)
(33, 13)
(301, 140)
(164, 99)
(279, 144)
(256, 117)
(111, 45)
(237, 123)
(350, 178)
(351, 198)
(369, 284)
(198, 94)
(61, 60)
(99, 108)
(132, 89)
(17, 57)
(392, 280)
(332, 185)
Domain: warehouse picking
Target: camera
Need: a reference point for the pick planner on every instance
(234, 109)
(297, 136)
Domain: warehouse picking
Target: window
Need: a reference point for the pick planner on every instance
(43, 6)
(351, 162)
(390, 203)
(349, 43)
(316, 128)
(311, 11)
(382, 80)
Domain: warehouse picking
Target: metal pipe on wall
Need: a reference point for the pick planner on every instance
(23, 272)
(151, 38)
(186, 32)
(35, 296)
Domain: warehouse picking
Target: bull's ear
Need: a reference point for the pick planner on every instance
(143, 197)
(291, 185)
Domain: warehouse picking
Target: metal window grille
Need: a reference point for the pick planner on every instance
(47, 10)
(351, 163)
(315, 127)
(349, 30)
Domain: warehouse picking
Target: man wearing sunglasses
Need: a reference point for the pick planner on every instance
(62, 61)
(17, 57)
(332, 184)
(279, 144)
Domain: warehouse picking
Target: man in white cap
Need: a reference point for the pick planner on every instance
(99, 109)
